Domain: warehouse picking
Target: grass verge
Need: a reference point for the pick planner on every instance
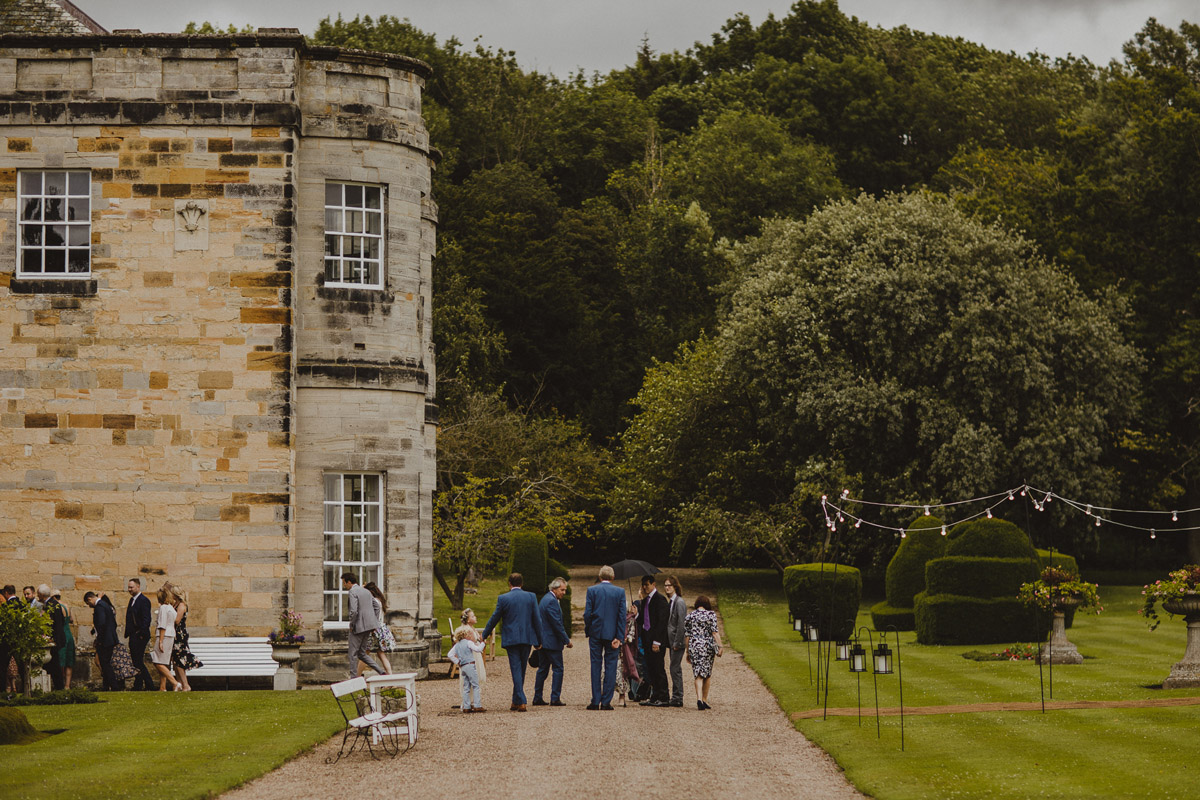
(1112, 753)
(151, 744)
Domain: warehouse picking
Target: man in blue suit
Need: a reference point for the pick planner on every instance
(517, 609)
(137, 631)
(604, 626)
(104, 624)
(554, 639)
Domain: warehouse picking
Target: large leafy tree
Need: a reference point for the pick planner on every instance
(892, 344)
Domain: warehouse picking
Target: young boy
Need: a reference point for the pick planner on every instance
(463, 654)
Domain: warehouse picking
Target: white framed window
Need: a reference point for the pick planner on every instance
(55, 221)
(354, 235)
(353, 538)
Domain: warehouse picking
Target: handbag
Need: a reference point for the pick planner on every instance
(535, 658)
(122, 662)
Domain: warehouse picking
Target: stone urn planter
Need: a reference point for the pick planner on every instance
(1186, 674)
(1059, 650)
(286, 656)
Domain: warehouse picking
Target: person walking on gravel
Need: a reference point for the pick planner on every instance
(522, 631)
(652, 628)
(604, 627)
(676, 614)
(703, 644)
(555, 638)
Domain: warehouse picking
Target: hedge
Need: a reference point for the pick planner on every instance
(810, 588)
(15, 728)
(954, 619)
(997, 538)
(884, 615)
(528, 554)
(906, 571)
(976, 576)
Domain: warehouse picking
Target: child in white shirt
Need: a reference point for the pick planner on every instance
(463, 654)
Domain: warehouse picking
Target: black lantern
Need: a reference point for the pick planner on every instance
(843, 651)
(812, 634)
(858, 658)
(883, 659)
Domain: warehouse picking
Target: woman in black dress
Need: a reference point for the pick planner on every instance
(181, 654)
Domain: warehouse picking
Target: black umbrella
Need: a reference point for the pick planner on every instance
(632, 568)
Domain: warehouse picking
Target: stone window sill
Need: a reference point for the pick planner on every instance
(76, 287)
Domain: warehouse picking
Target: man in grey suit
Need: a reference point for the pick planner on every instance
(362, 622)
(676, 614)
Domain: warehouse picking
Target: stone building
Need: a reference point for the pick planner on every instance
(216, 364)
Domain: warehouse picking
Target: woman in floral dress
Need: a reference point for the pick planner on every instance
(703, 642)
(181, 654)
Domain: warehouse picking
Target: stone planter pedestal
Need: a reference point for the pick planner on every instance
(1059, 650)
(286, 656)
(1186, 674)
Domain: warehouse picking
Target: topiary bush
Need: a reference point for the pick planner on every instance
(825, 595)
(15, 728)
(971, 594)
(528, 554)
(955, 619)
(996, 538)
(977, 576)
(905, 576)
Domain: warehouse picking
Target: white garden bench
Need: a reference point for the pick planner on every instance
(232, 657)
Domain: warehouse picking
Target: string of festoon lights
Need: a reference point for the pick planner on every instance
(837, 511)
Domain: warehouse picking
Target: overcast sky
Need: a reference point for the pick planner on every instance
(560, 36)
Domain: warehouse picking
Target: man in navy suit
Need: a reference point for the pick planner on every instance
(104, 625)
(554, 639)
(137, 631)
(604, 626)
(522, 631)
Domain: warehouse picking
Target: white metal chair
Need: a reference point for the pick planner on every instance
(367, 725)
(404, 721)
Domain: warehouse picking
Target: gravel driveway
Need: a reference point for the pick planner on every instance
(743, 747)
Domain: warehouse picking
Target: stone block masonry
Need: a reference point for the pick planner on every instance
(170, 412)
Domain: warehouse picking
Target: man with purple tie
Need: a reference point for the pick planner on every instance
(652, 629)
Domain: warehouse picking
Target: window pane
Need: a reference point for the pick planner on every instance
(56, 261)
(78, 182)
(333, 486)
(370, 574)
(77, 236)
(333, 219)
(31, 261)
(374, 223)
(372, 276)
(331, 245)
(54, 209)
(354, 222)
(372, 518)
(352, 519)
(371, 488)
(56, 183)
(77, 260)
(331, 578)
(354, 548)
(352, 246)
(333, 194)
(32, 210)
(56, 235)
(352, 487)
(354, 196)
(332, 273)
(333, 551)
(331, 608)
(343, 606)
(31, 183)
(372, 249)
(332, 518)
(77, 209)
(373, 194)
(372, 545)
(31, 234)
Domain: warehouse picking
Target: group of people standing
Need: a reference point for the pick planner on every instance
(626, 642)
(166, 628)
(43, 600)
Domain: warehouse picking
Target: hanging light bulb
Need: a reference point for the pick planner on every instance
(903, 535)
(989, 513)
(1174, 516)
(1022, 492)
(1088, 510)
(858, 524)
(840, 517)
(1046, 499)
(1152, 533)
(845, 493)
(1097, 522)
(1010, 495)
(927, 511)
(943, 530)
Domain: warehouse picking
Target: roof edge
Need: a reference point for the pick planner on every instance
(83, 19)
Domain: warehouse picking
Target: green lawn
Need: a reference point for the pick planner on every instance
(147, 744)
(1060, 754)
(482, 603)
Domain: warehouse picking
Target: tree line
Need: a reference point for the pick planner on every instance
(676, 302)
